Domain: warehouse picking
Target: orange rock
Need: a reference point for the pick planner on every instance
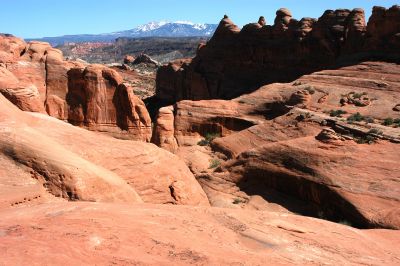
(164, 131)
(178, 235)
(77, 164)
(39, 80)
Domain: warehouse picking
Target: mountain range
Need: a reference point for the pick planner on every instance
(152, 29)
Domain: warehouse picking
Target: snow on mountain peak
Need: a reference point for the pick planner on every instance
(151, 26)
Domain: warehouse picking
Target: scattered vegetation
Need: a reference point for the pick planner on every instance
(388, 121)
(337, 113)
(208, 139)
(359, 99)
(391, 122)
(357, 95)
(357, 117)
(214, 163)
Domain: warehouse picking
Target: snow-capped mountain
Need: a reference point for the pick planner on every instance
(152, 29)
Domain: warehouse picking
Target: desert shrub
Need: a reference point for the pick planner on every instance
(214, 163)
(357, 117)
(211, 136)
(388, 121)
(208, 139)
(357, 95)
(337, 113)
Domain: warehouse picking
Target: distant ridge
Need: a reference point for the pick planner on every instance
(151, 29)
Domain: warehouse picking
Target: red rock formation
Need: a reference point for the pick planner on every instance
(287, 150)
(36, 78)
(164, 131)
(237, 61)
(40, 154)
(100, 101)
(128, 59)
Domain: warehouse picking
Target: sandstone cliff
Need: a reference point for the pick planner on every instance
(238, 61)
(35, 77)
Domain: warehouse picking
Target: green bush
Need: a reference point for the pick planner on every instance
(208, 139)
(357, 95)
(214, 163)
(211, 136)
(388, 121)
(357, 117)
(337, 113)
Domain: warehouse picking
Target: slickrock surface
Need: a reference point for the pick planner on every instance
(114, 234)
(237, 61)
(77, 164)
(35, 77)
(280, 147)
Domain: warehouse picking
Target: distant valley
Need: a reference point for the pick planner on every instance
(152, 29)
(161, 49)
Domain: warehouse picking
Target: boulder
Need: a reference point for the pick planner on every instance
(128, 59)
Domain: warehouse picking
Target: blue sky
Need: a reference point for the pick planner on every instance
(34, 18)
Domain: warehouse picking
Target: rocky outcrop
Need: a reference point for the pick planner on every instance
(237, 61)
(43, 154)
(128, 59)
(62, 173)
(296, 147)
(164, 131)
(144, 59)
(100, 101)
(35, 77)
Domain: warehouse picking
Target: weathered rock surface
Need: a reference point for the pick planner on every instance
(164, 130)
(100, 101)
(35, 77)
(77, 164)
(164, 235)
(237, 61)
(286, 150)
